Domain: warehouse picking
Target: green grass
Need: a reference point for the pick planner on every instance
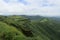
(13, 28)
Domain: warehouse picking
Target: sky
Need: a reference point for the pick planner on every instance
(30, 7)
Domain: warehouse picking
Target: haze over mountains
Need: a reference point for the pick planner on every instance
(28, 7)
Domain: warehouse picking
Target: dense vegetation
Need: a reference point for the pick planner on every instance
(28, 28)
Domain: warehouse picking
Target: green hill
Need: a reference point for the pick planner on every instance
(23, 28)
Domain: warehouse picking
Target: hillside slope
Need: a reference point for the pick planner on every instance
(22, 28)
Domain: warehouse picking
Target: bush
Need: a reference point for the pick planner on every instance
(9, 33)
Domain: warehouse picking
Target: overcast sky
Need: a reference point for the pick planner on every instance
(30, 7)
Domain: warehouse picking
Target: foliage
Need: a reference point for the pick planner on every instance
(23, 28)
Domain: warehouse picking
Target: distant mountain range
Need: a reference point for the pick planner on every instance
(39, 17)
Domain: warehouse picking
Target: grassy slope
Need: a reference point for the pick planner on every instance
(41, 30)
(8, 32)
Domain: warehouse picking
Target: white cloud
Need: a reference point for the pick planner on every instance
(11, 7)
(33, 7)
